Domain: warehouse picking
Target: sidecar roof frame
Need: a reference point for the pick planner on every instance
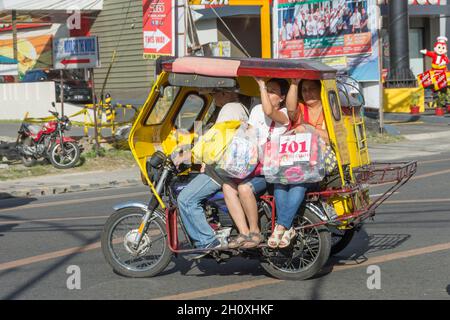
(250, 67)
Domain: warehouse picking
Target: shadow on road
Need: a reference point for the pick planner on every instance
(10, 201)
(365, 243)
(355, 253)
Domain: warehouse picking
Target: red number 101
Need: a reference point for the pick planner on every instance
(293, 147)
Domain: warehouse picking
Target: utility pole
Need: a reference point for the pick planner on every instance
(380, 61)
(14, 30)
(400, 74)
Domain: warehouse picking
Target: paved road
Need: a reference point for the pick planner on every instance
(409, 241)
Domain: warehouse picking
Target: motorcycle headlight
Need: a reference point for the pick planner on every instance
(68, 125)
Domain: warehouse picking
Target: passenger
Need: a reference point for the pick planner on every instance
(207, 183)
(269, 118)
(306, 116)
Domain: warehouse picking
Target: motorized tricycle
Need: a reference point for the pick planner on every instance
(139, 239)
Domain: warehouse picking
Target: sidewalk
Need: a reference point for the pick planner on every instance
(425, 135)
(63, 183)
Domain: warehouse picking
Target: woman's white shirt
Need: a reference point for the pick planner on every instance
(261, 122)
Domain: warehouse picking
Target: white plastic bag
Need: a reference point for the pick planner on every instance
(294, 158)
(240, 157)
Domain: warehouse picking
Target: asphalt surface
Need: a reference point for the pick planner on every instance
(409, 241)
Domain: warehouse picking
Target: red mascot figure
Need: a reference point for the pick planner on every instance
(440, 59)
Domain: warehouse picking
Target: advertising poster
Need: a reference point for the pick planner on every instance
(32, 52)
(339, 33)
(416, 2)
(158, 28)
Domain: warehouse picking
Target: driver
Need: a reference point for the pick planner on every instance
(208, 182)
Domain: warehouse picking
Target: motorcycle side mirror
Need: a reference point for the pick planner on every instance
(54, 105)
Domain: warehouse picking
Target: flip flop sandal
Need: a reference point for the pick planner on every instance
(254, 239)
(287, 238)
(275, 238)
(238, 241)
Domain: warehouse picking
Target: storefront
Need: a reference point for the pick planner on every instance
(428, 20)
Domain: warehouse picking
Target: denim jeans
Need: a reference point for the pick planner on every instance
(288, 199)
(191, 211)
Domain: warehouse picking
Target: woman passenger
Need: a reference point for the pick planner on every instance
(268, 118)
(306, 116)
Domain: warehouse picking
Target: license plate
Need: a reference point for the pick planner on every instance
(78, 97)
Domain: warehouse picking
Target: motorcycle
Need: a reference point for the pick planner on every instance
(135, 253)
(48, 142)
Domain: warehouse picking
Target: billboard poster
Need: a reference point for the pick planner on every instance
(158, 28)
(340, 33)
(32, 52)
(415, 2)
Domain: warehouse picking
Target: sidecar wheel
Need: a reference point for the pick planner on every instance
(340, 240)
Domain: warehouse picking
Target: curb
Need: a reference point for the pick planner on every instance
(427, 136)
(406, 117)
(45, 191)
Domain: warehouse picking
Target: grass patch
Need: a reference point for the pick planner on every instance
(385, 138)
(10, 121)
(109, 160)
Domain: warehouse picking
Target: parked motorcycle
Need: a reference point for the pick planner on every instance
(48, 142)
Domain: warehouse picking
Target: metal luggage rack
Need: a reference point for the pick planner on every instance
(395, 174)
(385, 172)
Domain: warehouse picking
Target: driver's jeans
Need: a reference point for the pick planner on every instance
(191, 211)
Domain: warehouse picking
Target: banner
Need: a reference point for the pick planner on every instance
(32, 52)
(159, 28)
(340, 33)
(415, 2)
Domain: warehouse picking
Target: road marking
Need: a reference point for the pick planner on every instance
(51, 220)
(221, 290)
(58, 254)
(416, 201)
(380, 194)
(434, 161)
(74, 201)
(396, 256)
(257, 283)
(403, 122)
(48, 256)
(431, 174)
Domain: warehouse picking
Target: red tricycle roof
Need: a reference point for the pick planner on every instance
(252, 67)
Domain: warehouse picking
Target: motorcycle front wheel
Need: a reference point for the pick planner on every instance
(65, 156)
(147, 260)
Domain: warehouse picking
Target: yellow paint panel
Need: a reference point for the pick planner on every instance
(399, 99)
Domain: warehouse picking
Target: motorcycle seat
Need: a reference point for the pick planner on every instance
(33, 128)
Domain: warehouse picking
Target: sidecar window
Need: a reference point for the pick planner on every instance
(162, 106)
(190, 111)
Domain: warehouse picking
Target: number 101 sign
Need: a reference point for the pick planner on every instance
(295, 149)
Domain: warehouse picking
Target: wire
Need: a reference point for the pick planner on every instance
(232, 34)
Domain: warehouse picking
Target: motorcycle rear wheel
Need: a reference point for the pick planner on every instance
(306, 256)
(27, 160)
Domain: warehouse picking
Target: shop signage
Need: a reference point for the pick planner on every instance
(159, 28)
(76, 53)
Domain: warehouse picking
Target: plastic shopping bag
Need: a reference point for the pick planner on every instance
(210, 147)
(293, 159)
(240, 157)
